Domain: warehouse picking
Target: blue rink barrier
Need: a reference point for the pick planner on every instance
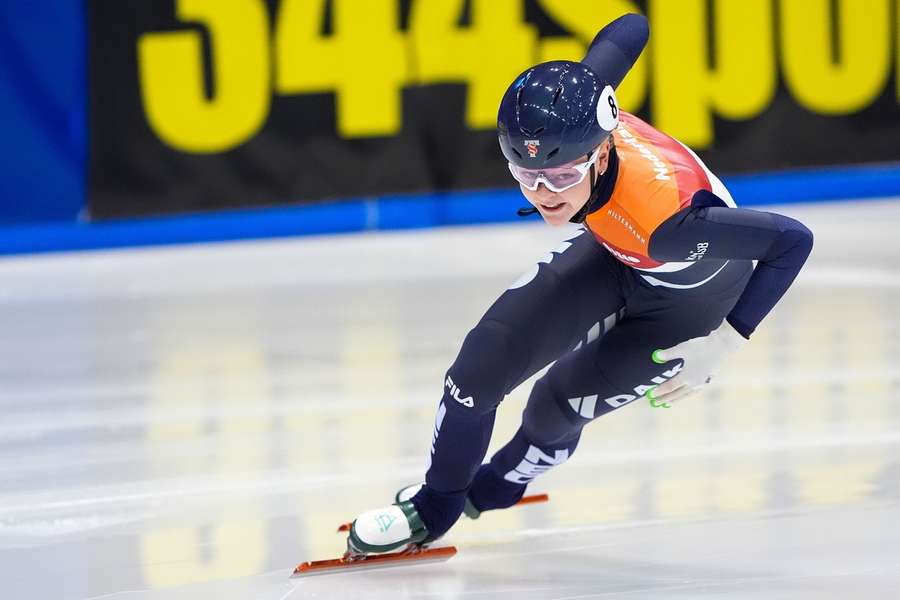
(409, 212)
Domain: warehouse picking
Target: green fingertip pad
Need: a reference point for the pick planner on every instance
(656, 358)
(650, 393)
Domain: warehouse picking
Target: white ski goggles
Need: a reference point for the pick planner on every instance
(557, 179)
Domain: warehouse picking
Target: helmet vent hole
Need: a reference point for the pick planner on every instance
(553, 153)
(556, 95)
(519, 154)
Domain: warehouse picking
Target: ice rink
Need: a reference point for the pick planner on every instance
(192, 422)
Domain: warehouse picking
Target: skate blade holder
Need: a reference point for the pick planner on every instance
(374, 561)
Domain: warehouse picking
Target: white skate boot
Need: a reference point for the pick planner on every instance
(385, 529)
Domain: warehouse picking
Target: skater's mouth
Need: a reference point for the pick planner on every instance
(552, 207)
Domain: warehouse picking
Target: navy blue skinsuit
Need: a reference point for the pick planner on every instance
(602, 304)
(600, 320)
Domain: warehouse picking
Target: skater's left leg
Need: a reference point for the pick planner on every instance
(547, 437)
(596, 379)
(502, 482)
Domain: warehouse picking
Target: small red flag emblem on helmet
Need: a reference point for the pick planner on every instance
(532, 147)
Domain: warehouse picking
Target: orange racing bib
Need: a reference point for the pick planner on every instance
(657, 177)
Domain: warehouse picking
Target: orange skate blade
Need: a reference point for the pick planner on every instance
(533, 499)
(374, 561)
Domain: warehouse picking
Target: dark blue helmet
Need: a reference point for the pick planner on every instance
(555, 112)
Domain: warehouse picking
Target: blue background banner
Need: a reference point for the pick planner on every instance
(43, 106)
(44, 163)
(245, 103)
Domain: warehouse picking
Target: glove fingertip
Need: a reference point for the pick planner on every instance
(656, 403)
(666, 387)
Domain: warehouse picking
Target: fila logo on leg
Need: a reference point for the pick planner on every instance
(455, 393)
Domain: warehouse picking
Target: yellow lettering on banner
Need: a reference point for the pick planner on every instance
(561, 47)
(584, 18)
(170, 66)
(364, 61)
(743, 81)
(863, 53)
(686, 91)
(487, 55)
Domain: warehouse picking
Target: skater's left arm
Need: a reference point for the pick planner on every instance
(708, 229)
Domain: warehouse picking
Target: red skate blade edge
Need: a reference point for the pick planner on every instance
(375, 561)
(525, 500)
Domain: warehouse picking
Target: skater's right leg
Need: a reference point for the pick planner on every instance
(574, 292)
(542, 316)
(473, 387)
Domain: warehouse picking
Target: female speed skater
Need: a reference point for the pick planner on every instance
(647, 300)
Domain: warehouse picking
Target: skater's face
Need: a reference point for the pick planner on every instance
(558, 207)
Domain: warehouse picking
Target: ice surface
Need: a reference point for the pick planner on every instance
(191, 422)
